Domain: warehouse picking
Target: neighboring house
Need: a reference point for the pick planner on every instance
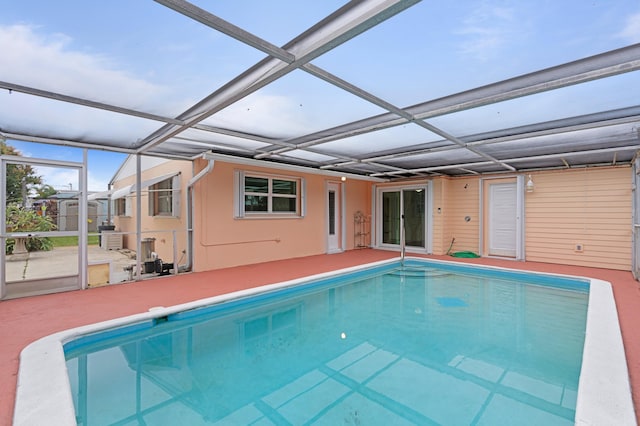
(245, 212)
(163, 211)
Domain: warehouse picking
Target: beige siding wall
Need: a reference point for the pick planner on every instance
(590, 207)
(439, 209)
(463, 199)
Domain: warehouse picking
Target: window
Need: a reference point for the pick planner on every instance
(120, 207)
(268, 195)
(163, 198)
(121, 201)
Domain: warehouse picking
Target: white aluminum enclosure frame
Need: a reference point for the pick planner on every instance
(82, 278)
(173, 140)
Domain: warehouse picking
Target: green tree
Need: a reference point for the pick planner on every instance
(44, 191)
(20, 178)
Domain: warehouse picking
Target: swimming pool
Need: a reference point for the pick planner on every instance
(359, 366)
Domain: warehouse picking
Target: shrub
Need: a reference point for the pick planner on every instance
(24, 220)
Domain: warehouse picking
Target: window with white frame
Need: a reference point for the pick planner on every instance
(258, 194)
(164, 198)
(120, 206)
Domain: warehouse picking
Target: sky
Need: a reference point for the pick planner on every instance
(101, 165)
(141, 55)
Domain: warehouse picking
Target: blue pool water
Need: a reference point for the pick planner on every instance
(420, 344)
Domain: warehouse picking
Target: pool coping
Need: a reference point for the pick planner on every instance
(604, 394)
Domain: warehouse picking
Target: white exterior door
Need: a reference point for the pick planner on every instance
(502, 219)
(334, 218)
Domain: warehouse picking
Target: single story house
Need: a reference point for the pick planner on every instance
(240, 211)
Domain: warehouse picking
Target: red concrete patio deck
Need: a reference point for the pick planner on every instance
(23, 321)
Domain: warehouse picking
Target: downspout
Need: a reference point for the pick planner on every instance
(191, 208)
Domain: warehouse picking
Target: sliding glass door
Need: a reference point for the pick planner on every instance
(391, 217)
(413, 208)
(398, 204)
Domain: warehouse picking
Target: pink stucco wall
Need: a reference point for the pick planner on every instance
(158, 227)
(221, 240)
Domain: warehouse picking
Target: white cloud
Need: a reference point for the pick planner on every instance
(486, 30)
(65, 179)
(631, 30)
(48, 62)
(51, 62)
(59, 178)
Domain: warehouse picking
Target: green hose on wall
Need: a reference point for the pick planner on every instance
(465, 254)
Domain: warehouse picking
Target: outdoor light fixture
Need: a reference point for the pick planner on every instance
(529, 186)
(343, 178)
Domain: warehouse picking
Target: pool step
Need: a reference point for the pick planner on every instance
(409, 272)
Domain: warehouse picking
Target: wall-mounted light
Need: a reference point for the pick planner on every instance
(529, 185)
(343, 178)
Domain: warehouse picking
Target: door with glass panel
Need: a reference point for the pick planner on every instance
(400, 208)
(334, 219)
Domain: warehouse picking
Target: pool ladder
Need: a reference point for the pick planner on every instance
(402, 240)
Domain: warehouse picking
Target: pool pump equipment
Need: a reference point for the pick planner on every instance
(151, 262)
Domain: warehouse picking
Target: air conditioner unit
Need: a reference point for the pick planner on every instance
(110, 240)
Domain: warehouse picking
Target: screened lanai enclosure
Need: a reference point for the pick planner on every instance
(391, 89)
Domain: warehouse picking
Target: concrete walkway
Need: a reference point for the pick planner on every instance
(63, 261)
